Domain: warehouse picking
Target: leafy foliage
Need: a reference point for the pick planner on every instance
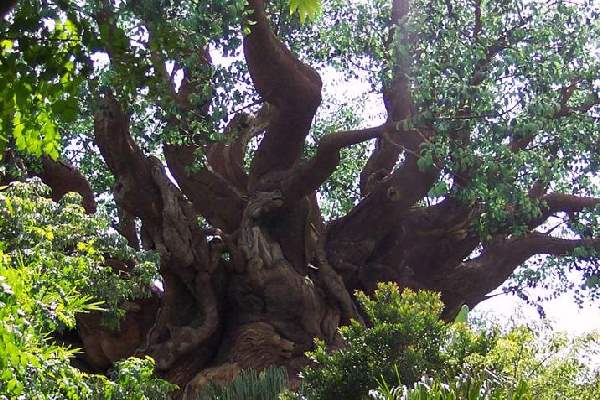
(425, 358)
(71, 249)
(51, 269)
(523, 363)
(307, 9)
(40, 54)
(250, 385)
(406, 332)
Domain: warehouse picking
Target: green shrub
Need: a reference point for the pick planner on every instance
(51, 268)
(249, 385)
(405, 334)
(407, 353)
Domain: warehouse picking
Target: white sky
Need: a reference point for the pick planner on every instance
(564, 314)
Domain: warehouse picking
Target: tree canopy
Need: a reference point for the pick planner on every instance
(211, 134)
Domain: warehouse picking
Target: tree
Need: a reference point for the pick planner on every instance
(487, 157)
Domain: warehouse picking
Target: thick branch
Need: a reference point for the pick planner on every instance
(126, 161)
(313, 173)
(399, 105)
(291, 86)
(212, 196)
(226, 157)
(556, 202)
(477, 23)
(553, 203)
(64, 178)
(278, 76)
(396, 94)
(390, 199)
(473, 279)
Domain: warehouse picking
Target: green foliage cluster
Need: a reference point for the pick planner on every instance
(249, 385)
(49, 49)
(408, 353)
(51, 269)
(307, 9)
(406, 331)
(520, 364)
(40, 54)
(70, 249)
(481, 82)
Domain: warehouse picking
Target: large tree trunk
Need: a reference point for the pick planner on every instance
(265, 275)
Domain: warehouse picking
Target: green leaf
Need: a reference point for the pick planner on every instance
(463, 315)
(307, 9)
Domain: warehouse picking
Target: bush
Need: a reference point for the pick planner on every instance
(52, 268)
(405, 334)
(407, 353)
(249, 385)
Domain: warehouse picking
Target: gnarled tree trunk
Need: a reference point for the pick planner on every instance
(268, 275)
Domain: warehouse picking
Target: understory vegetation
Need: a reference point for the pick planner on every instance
(52, 270)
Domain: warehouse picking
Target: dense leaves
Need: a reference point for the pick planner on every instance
(71, 248)
(52, 267)
(407, 353)
(41, 74)
(406, 332)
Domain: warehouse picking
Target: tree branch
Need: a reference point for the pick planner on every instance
(64, 178)
(291, 86)
(212, 196)
(226, 157)
(477, 24)
(311, 175)
(126, 161)
(390, 199)
(473, 279)
(399, 106)
(553, 203)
